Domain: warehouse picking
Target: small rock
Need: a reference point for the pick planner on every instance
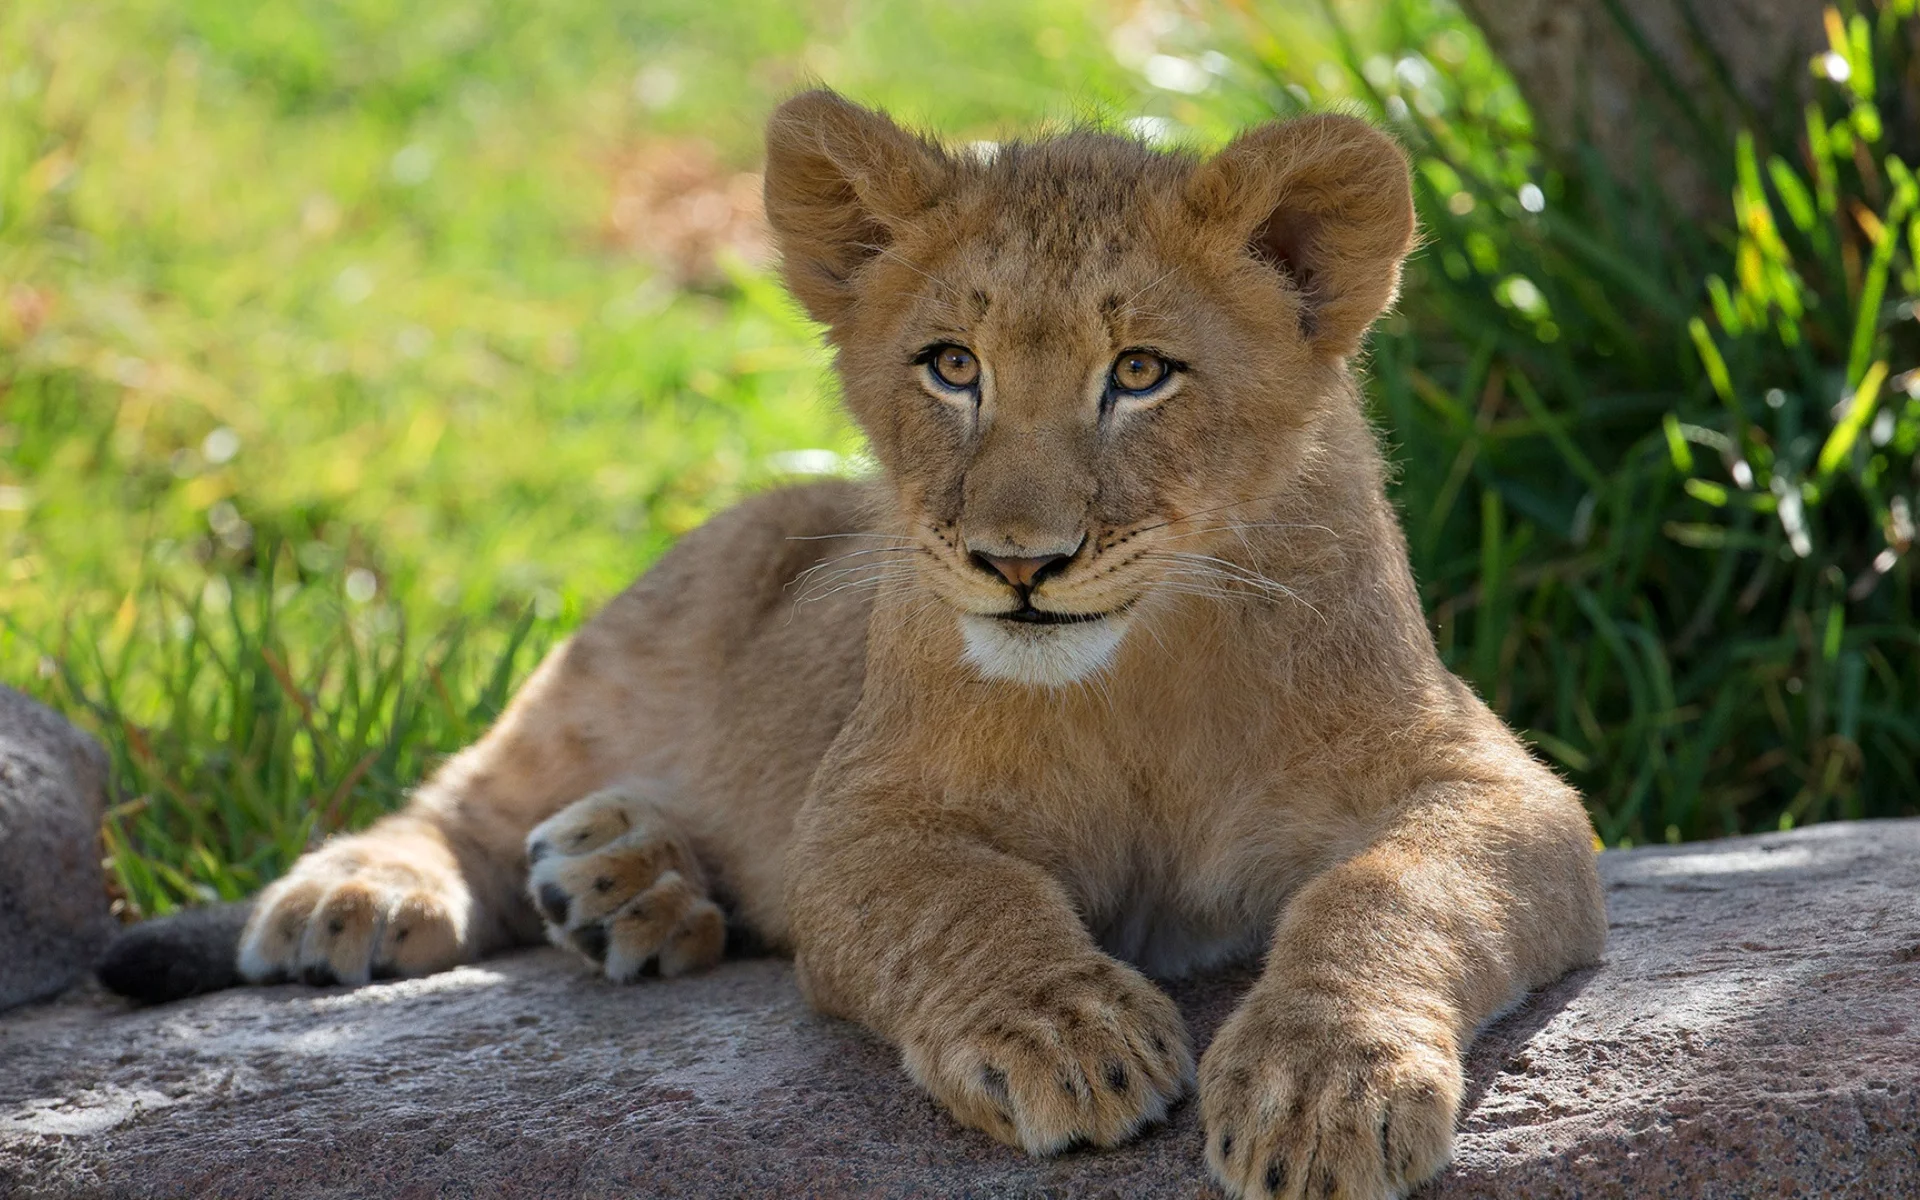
(1754, 1031)
(54, 915)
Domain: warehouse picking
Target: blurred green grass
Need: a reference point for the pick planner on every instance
(344, 365)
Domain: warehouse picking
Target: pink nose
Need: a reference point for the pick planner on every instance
(1020, 572)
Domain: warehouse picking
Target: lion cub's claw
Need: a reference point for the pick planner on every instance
(1294, 1109)
(615, 883)
(1086, 1052)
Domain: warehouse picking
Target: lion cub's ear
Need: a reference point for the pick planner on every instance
(841, 182)
(1327, 201)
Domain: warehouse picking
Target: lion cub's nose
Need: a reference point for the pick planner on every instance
(1022, 573)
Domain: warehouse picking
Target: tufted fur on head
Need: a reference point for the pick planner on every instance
(1325, 200)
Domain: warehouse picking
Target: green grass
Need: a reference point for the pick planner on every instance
(328, 397)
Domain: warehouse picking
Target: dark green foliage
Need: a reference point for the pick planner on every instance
(1659, 474)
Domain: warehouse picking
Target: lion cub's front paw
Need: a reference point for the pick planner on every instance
(615, 882)
(1082, 1051)
(376, 905)
(1298, 1105)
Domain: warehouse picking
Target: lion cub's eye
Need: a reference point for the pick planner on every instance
(954, 367)
(1140, 371)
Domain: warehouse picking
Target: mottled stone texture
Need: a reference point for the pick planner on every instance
(53, 896)
(1754, 1032)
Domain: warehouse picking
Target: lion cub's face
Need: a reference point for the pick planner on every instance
(1083, 362)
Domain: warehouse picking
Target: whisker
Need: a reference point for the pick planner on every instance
(884, 555)
(904, 551)
(1207, 562)
(924, 605)
(1244, 572)
(1186, 568)
(1244, 525)
(1204, 512)
(870, 550)
(814, 587)
(1097, 681)
(1176, 588)
(1224, 595)
(881, 566)
(1157, 640)
(1233, 583)
(836, 589)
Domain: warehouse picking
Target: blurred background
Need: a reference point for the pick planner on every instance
(353, 352)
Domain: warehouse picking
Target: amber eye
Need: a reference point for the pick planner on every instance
(955, 366)
(1139, 371)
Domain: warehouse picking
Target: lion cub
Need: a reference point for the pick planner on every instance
(1118, 671)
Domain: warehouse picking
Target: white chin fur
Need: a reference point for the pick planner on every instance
(1045, 655)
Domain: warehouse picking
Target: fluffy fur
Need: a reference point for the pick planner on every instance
(980, 837)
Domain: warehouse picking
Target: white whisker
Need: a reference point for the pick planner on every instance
(826, 587)
(1229, 577)
(904, 551)
(863, 577)
(1241, 526)
(1202, 513)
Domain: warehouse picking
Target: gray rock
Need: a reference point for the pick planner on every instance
(54, 916)
(1754, 1032)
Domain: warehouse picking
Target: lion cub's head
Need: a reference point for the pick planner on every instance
(1081, 361)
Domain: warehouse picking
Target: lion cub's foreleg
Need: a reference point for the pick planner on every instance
(1340, 1074)
(975, 964)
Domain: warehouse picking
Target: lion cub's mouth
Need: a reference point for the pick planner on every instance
(1027, 614)
(1034, 616)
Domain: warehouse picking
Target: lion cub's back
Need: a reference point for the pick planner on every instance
(744, 583)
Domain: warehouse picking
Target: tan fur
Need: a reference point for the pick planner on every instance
(1259, 752)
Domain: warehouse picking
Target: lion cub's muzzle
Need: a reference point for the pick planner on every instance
(1030, 643)
(1026, 575)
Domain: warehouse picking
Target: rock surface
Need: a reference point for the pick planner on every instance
(54, 916)
(1755, 1031)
